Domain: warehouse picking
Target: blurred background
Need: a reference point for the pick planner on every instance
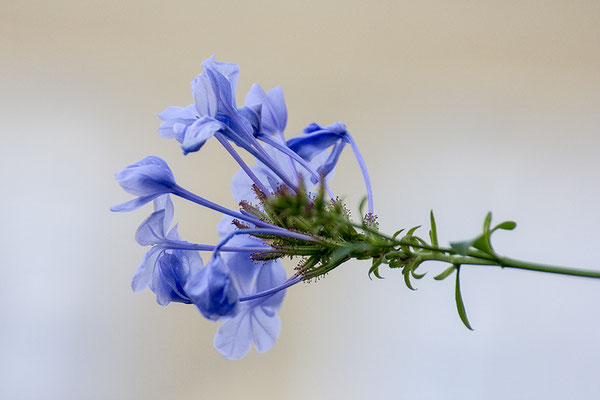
(461, 107)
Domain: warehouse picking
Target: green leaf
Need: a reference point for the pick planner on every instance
(445, 273)
(487, 222)
(461, 247)
(397, 233)
(459, 303)
(361, 206)
(406, 273)
(412, 230)
(483, 243)
(506, 225)
(433, 231)
(375, 268)
(418, 276)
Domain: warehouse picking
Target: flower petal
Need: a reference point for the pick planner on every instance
(212, 290)
(164, 203)
(169, 278)
(311, 144)
(265, 329)
(134, 204)
(151, 231)
(149, 176)
(256, 96)
(270, 275)
(274, 113)
(143, 275)
(233, 339)
(198, 133)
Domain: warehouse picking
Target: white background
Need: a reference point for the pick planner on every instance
(460, 107)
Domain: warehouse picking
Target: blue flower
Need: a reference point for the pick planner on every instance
(212, 290)
(267, 109)
(148, 179)
(317, 139)
(241, 185)
(246, 295)
(187, 127)
(214, 110)
(255, 321)
(164, 270)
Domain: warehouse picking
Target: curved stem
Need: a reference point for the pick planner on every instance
(241, 162)
(293, 155)
(186, 194)
(363, 168)
(292, 280)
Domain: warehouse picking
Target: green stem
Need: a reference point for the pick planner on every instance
(512, 263)
(506, 262)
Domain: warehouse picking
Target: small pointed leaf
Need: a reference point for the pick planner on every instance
(406, 273)
(506, 225)
(412, 230)
(433, 231)
(397, 233)
(445, 273)
(418, 276)
(459, 302)
(487, 222)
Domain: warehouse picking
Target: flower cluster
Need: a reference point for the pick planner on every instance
(243, 282)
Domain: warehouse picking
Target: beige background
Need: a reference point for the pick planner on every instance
(462, 107)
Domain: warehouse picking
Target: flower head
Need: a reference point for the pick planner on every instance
(148, 179)
(165, 270)
(212, 290)
(283, 210)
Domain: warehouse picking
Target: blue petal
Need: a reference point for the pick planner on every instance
(270, 275)
(252, 116)
(274, 112)
(147, 177)
(233, 339)
(134, 204)
(176, 120)
(242, 268)
(151, 231)
(327, 167)
(173, 234)
(265, 329)
(164, 203)
(241, 185)
(169, 278)
(212, 290)
(225, 226)
(205, 98)
(230, 71)
(143, 275)
(198, 133)
(311, 144)
(178, 113)
(312, 127)
(256, 96)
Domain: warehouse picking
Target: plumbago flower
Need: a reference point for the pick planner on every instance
(243, 283)
(287, 209)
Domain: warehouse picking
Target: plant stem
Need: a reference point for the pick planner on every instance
(506, 262)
